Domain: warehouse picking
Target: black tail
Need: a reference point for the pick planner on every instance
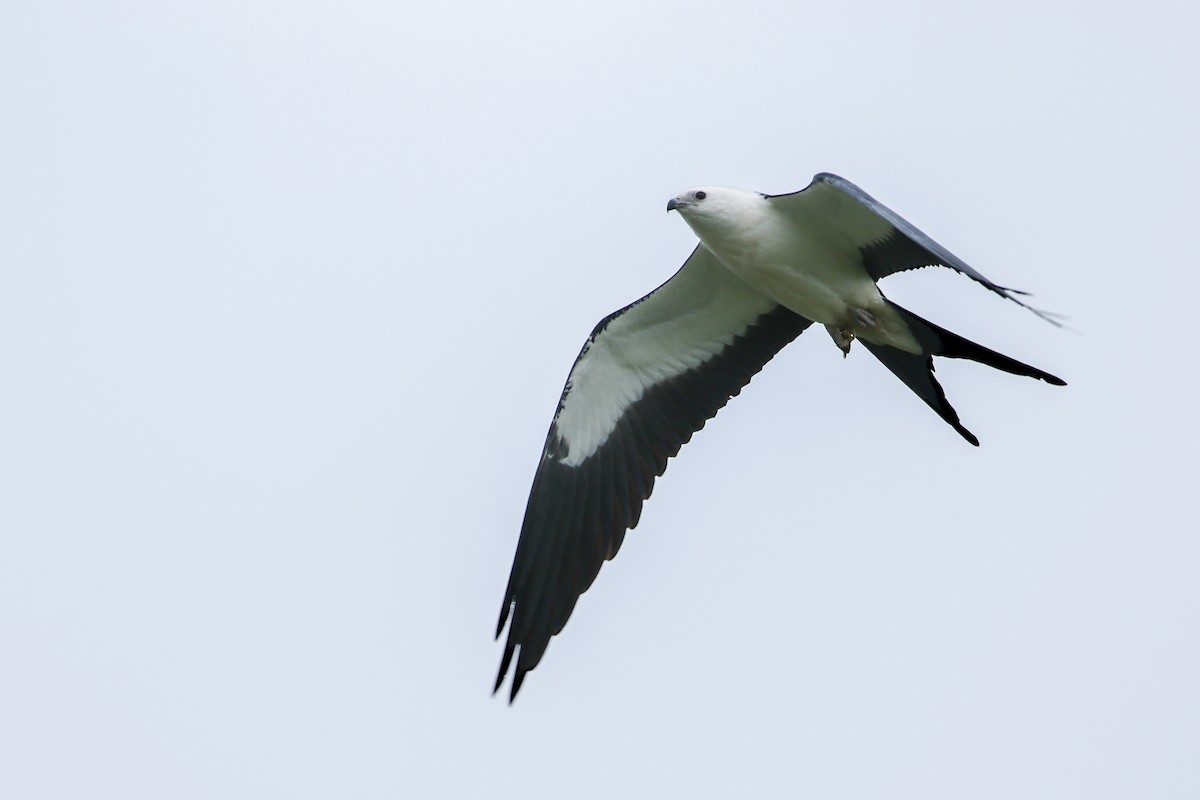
(917, 370)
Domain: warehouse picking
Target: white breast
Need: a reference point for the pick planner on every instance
(813, 275)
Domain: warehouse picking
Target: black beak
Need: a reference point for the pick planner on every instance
(672, 204)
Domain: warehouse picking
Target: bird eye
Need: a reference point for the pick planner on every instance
(701, 195)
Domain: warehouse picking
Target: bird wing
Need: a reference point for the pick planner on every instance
(648, 377)
(887, 242)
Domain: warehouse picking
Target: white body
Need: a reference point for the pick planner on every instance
(815, 272)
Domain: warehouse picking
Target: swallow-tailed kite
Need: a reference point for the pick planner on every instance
(651, 374)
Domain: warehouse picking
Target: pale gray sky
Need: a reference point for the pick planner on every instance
(288, 292)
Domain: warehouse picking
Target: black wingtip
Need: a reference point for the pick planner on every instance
(518, 678)
(509, 648)
(503, 617)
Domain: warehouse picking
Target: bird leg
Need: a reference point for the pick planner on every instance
(863, 317)
(842, 337)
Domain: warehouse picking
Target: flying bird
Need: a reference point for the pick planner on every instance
(651, 374)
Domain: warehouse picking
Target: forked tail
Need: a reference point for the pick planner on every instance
(917, 370)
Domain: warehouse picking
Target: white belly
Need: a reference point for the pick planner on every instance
(813, 277)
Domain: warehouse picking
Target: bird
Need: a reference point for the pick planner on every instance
(652, 373)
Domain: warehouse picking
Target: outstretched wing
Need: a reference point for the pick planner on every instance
(888, 242)
(648, 377)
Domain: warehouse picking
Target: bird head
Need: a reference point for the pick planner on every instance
(713, 208)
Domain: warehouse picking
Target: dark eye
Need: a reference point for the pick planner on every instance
(701, 195)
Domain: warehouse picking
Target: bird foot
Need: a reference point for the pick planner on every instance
(864, 318)
(842, 337)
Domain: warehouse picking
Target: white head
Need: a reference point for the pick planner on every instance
(709, 208)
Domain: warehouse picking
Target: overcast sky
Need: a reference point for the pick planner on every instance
(288, 291)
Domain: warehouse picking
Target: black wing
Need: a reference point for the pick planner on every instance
(887, 242)
(648, 377)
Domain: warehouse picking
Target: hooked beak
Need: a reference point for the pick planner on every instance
(675, 203)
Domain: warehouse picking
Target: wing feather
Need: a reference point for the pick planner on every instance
(648, 377)
(888, 242)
